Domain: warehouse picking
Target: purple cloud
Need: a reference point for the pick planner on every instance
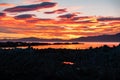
(59, 11)
(2, 14)
(108, 18)
(81, 18)
(24, 16)
(69, 16)
(31, 7)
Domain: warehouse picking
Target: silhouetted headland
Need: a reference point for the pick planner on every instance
(19, 44)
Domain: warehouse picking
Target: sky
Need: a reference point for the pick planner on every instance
(63, 19)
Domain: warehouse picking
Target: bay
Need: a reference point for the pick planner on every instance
(85, 45)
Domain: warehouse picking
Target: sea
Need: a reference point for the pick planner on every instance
(83, 45)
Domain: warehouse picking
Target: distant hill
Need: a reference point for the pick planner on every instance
(31, 39)
(100, 38)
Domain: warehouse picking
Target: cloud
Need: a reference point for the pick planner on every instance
(50, 27)
(81, 18)
(5, 30)
(37, 20)
(68, 16)
(28, 25)
(85, 19)
(2, 14)
(31, 7)
(36, 1)
(59, 11)
(24, 16)
(6, 5)
(42, 0)
(108, 18)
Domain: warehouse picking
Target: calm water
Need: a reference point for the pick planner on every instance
(86, 45)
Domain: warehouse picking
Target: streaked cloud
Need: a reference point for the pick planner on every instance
(108, 18)
(32, 7)
(6, 5)
(2, 14)
(66, 20)
(36, 1)
(68, 16)
(81, 18)
(42, 0)
(24, 16)
(26, 25)
(59, 11)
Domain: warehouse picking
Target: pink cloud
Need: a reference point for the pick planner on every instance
(42, 0)
(6, 4)
(36, 1)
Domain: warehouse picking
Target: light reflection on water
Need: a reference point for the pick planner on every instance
(86, 45)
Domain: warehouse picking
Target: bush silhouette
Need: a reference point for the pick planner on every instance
(101, 63)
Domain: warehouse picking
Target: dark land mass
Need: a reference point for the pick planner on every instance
(102, 63)
(100, 38)
(31, 39)
(21, 44)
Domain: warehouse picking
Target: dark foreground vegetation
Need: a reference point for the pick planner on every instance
(101, 63)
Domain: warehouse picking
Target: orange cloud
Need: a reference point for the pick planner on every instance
(27, 25)
(6, 5)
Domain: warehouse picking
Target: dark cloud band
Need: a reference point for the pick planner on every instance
(59, 11)
(2, 14)
(108, 18)
(31, 7)
(68, 16)
(24, 16)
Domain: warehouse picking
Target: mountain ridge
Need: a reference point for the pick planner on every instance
(100, 38)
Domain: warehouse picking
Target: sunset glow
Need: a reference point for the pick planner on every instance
(53, 19)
